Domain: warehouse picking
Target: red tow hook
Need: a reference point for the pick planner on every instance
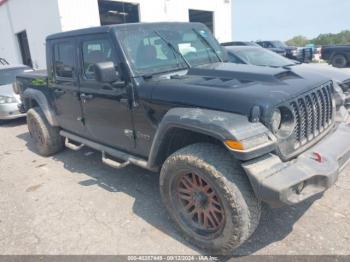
(317, 157)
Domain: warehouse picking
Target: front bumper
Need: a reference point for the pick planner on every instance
(10, 111)
(314, 171)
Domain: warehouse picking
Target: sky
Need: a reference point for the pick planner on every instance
(282, 19)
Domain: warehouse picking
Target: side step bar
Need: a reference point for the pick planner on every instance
(72, 146)
(113, 163)
(129, 159)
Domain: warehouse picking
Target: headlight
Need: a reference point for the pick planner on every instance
(282, 122)
(339, 94)
(345, 85)
(7, 100)
(276, 120)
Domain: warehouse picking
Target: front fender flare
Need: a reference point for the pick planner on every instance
(219, 125)
(43, 103)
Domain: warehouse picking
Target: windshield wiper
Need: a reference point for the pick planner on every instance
(174, 49)
(150, 75)
(207, 44)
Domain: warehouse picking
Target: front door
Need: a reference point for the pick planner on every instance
(106, 110)
(65, 87)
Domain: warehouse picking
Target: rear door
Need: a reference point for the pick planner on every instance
(65, 85)
(106, 109)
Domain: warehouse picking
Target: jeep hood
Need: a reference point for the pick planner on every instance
(233, 88)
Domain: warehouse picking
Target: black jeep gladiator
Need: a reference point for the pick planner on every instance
(336, 55)
(224, 137)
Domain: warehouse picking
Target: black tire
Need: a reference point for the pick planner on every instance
(339, 61)
(46, 138)
(229, 183)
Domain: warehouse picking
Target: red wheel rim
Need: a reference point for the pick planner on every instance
(199, 204)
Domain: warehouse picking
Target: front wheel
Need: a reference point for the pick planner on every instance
(209, 197)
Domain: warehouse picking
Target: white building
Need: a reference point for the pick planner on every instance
(24, 24)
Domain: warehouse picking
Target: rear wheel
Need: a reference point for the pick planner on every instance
(209, 197)
(339, 61)
(47, 139)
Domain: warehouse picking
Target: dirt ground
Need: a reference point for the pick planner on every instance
(73, 204)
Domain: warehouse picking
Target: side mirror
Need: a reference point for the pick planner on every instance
(106, 72)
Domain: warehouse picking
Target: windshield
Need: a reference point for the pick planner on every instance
(262, 57)
(156, 50)
(8, 76)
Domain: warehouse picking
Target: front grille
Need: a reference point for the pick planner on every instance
(313, 114)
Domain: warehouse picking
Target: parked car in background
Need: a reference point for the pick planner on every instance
(252, 55)
(262, 57)
(240, 43)
(9, 100)
(317, 55)
(275, 46)
(3, 61)
(313, 47)
(301, 54)
(336, 55)
(224, 137)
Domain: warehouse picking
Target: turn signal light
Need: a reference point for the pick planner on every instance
(233, 144)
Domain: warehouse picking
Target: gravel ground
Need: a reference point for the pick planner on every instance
(346, 69)
(73, 204)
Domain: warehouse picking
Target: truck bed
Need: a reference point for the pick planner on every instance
(36, 78)
(34, 74)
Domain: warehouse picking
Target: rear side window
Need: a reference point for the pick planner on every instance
(96, 51)
(64, 59)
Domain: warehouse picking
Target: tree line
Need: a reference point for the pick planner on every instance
(323, 39)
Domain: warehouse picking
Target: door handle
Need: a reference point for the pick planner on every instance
(108, 88)
(124, 101)
(59, 91)
(86, 96)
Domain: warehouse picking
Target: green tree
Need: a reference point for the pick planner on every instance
(341, 38)
(332, 39)
(298, 41)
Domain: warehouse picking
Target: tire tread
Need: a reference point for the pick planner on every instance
(229, 175)
(53, 140)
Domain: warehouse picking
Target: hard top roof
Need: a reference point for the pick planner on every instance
(108, 28)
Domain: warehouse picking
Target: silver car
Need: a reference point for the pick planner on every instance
(8, 99)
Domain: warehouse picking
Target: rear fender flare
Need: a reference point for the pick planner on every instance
(42, 101)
